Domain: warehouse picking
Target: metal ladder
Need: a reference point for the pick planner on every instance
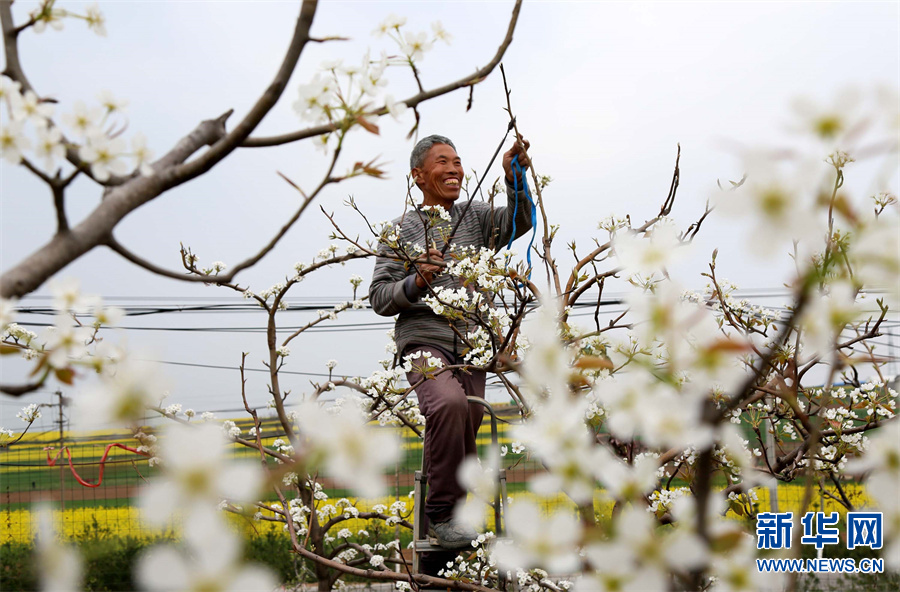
(422, 543)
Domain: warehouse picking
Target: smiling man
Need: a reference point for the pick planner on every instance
(397, 289)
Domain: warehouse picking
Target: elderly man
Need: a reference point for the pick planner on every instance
(397, 289)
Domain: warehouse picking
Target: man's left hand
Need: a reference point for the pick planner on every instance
(508, 156)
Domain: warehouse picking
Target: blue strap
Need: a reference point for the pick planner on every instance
(519, 170)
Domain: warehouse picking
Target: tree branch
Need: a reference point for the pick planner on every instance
(422, 96)
(121, 200)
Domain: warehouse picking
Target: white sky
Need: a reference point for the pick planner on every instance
(603, 90)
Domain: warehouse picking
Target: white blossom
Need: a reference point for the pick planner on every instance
(141, 154)
(778, 200)
(7, 312)
(104, 154)
(825, 316)
(392, 22)
(109, 102)
(29, 413)
(28, 106)
(45, 15)
(122, 397)
(13, 141)
(315, 97)
(83, 121)
(9, 88)
(415, 45)
(651, 252)
(96, 22)
(50, 147)
(395, 108)
(58, 566)
(198, 471)
(212, 563)
(548, 542)
(353, 453)
(440, 33)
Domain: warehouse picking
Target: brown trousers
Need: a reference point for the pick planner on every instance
(451, 424)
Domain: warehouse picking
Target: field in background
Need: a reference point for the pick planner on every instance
(26, 478)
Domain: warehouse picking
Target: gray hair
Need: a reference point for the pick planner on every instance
(417, 158)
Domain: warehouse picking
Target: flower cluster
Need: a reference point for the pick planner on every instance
(104, 153)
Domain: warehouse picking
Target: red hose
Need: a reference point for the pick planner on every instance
(52, 461)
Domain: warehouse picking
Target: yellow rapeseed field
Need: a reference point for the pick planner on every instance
(16, 525)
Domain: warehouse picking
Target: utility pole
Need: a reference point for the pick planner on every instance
(62, 472)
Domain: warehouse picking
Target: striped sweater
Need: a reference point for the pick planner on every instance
(390, 294)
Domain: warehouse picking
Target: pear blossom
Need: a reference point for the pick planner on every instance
(548, 542)
(559, 436)
(29, 413)
(652, 252)
(736, 570)
(874, 253)
(7, 312)
(213, 562)
(830, 123)
(83, 120)
(66, 342)
(373, 79)
(122, 397)
(67, 296)
(395, 108)
(96, 22)
(19, 334)
(547, 365)
(9, 88)
(392, 22)
(415, 45)
(46, 15)
(13, 141)
(625, 481)
(481, 481)
(440, 33)
(107, 315)
(59, 566)
(141, 154)
(779, 201)
(314, 101)
(50, 147)
(111, 103)
(354, 454)
(29, 106)
(613, 570)
(104, 154)
(825, 316)
(197, 471)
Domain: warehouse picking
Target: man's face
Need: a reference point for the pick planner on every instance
(440, 175)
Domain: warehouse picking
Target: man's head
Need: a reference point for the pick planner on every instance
(437, 170)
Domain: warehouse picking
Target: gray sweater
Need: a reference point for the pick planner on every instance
(391, 293)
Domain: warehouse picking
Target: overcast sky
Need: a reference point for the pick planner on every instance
(604, 91)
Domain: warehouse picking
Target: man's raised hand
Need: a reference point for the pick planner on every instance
(508, 156)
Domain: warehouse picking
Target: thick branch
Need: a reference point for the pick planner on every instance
(121, 200)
